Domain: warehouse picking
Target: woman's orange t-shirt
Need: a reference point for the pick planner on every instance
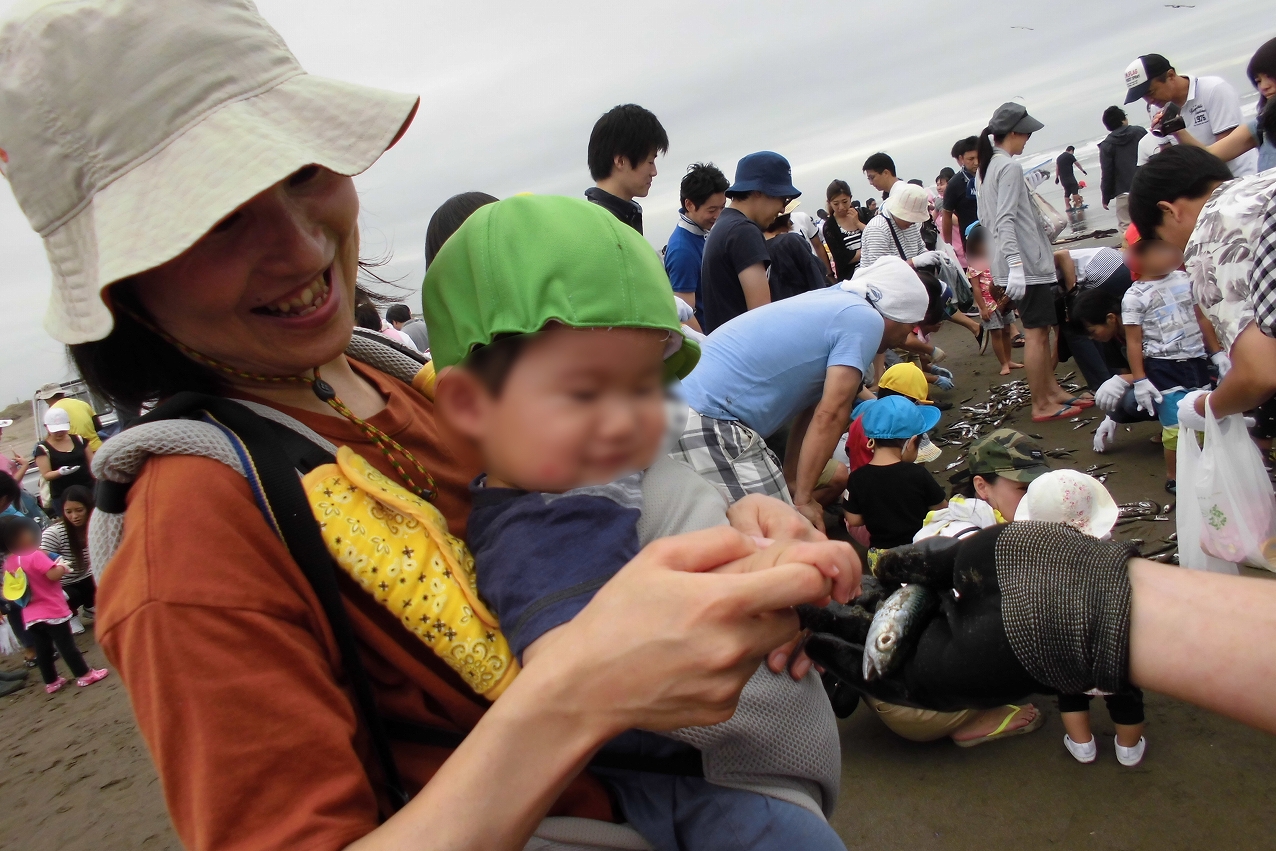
(234, 674)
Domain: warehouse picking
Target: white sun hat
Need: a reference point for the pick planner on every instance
(56, 419)
(1072, 498)
(129, 128)
(907, 202)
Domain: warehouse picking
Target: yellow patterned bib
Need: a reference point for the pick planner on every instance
(398, 548)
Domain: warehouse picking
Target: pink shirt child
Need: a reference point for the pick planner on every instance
(48, 603)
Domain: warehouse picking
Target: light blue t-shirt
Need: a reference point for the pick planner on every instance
(1267, 150)
(766, 366)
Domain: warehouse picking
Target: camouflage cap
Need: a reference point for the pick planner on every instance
(1009, 454)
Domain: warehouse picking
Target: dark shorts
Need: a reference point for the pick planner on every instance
(1036, 308)
(1071, 189)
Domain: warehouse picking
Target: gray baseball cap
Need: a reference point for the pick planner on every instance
(1013, 118)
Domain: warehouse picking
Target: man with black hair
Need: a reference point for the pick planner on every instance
(703, 194)
(1185, 196)
(1067, 178)
(400, 318)
(1118, 158)
(733, 272)
(870, 210)
(1210, 107)
(960, 199)
(623, 147)
(879, 169)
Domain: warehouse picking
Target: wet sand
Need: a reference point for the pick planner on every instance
(76, 773)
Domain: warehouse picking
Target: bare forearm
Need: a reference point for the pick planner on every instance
(498, 785)
(1251, 380)
(948, 227)
(1205, 638)
(817, 448)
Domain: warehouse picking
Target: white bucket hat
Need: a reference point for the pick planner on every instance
(907, 202)
(1072, 498)
(129, 128)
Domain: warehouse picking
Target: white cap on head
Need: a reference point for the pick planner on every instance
(129, 128)
(56, 419)
(1072, 498)
(891, 286)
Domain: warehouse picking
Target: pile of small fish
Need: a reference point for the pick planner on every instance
(1146, 511)
(982, 419)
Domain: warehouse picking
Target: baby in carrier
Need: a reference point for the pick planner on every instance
(560, 328)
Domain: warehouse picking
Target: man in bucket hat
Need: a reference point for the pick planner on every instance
(734, 268)
(799, 360)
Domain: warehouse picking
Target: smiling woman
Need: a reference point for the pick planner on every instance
(192, 184)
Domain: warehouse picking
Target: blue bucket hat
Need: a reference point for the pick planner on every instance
(766, 172)
(897, 417)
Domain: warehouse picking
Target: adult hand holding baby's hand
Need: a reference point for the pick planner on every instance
(673, 637)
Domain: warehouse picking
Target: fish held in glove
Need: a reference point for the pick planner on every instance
(895, 629)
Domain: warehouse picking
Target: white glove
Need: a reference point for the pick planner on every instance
(1105, 435)
(1016, 285)
(1223, 362)
(66, 471)
(940, 371)
(1110, 393)
(1188, 418)
(937, 355)
(1147, 395)
(927, 258)
(1035, 178)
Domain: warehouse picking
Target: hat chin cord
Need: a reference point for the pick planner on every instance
(394, 452)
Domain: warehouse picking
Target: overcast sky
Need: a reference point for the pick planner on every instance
(510, 91)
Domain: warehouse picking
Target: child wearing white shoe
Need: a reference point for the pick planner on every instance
(1079, 501)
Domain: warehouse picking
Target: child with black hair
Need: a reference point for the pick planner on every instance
(891, 495)
(45, 614)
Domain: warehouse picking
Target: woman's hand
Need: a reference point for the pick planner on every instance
(671, 640)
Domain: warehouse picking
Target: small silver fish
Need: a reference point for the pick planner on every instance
(896, 627)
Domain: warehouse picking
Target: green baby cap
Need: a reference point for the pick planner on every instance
(518, 264)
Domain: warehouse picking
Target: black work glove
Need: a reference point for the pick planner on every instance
(1028, 608)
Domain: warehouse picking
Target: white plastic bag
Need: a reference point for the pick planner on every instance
(1051, 220)
(8, 641)
(1188, 517)
(1238, 508)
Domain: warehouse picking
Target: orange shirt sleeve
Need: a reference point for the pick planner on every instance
(230, 669)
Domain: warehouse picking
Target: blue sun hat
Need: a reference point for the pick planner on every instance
(897, 417)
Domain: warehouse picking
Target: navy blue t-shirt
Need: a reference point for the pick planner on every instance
(541, 557)
(734, 244)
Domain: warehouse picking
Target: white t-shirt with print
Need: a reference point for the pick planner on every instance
(1165, 310)
(805, 225)
(1212, 110)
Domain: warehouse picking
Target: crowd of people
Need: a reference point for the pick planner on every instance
(533, 568)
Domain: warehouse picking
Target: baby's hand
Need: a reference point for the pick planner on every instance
(835, 560)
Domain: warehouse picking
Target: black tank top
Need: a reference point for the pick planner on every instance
(72, 458)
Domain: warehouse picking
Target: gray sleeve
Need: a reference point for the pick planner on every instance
(676, 500)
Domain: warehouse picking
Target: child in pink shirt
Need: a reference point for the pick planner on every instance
(46, 615)
(995, 310)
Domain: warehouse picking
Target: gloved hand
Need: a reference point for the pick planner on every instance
(67, 470)
(1025, 607)
(1035, 178)
(943, 382)
(1016, 285)
(939, 370)
(927, 258)
(1110, 392)
(1222, 362)
(937, 354)
(1189, 419)
(1147, 395)
(1105, 435)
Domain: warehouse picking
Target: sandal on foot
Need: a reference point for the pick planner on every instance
(1065, 412)
(91, 677)
(55, 686)
(1002, 732)
(1078, 402)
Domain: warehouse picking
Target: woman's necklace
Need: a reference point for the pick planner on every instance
(393, 451)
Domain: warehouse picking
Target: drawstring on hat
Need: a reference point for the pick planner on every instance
(390, 448)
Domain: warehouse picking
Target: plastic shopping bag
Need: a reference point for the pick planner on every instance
(8, 641)
(1052, 221)
(1188, 518)
(1238, 508)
